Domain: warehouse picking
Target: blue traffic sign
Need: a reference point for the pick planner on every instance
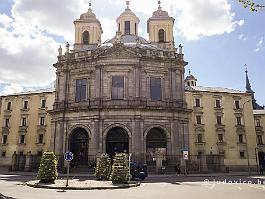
(69, 156)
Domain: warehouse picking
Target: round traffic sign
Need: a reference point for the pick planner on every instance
(68, 156)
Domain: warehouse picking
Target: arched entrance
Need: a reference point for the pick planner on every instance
(117, 141)
(156, 141)
(79, 147)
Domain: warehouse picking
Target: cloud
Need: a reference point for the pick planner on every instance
(242, 37)
(260, 45)
(29, 38)
(26, 55)
(12, 88)
(195, 19)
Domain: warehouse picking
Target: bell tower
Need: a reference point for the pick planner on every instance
(88, 30)
(128, 22)
(160, 28)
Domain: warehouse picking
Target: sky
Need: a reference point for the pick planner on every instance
(219, 38)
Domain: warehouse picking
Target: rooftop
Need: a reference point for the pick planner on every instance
(212, 89)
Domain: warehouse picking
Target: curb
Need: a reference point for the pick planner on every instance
(122, 186)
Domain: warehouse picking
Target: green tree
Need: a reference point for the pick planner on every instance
(252, 5)
(48, 168)
(103, 168)
(120, 169)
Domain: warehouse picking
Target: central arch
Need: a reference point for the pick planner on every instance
(156, 139)
(79, 146)
(117, 141)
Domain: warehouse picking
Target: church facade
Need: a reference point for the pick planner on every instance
(130, 95)
(124, 95)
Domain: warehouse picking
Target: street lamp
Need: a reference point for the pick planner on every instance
(246, 136)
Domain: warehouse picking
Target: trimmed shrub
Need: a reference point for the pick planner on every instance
(48, 168)
(120, 169)
(103, 168)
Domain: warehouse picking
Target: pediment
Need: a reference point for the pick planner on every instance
(119, 51)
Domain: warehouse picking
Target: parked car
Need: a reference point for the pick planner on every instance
(138, 170)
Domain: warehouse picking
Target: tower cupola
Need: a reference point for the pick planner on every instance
(160, 28)
(88, 30)
(190, 80)
(128, 22)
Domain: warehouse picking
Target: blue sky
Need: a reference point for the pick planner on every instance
(219, 38)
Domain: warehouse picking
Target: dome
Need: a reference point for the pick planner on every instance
(88, 15)
(127, 39)
(128, 13)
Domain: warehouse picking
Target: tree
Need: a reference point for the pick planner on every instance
(120, 169)
(48, 168)
(103, 168)
(254, 7)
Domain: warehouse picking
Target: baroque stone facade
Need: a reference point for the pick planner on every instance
(147, 107)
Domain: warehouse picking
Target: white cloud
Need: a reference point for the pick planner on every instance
(27, 49)
(194, 18)
(260, 45)
(242, 37)
(12, 88)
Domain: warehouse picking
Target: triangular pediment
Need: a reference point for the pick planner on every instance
(119, 51)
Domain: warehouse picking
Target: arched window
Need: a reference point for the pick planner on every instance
(161, 35)
(86, 37)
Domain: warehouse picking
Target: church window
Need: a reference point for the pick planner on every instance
(9, 106)
(4, 141)
(155, 88)
(257, 123)
(217, 103)
(81, 90)
(238, 120)
(199, 119)
(127, 27)
(86, 37)
(117, 87)
(188, 83)
(197, 102)
(220, 138)
(161, 35)
(219, 120)
(237, 104)
(259, 139)
(199, 138)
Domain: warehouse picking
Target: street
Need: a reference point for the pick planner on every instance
(11, 186)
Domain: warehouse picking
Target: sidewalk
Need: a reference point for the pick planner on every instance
(5, 172)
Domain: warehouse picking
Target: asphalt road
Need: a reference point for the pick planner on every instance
(228, 187)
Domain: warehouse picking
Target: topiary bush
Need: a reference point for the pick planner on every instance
(120, 169)
(48, 168)
(103, 168)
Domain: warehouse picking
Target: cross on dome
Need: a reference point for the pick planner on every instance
(128, 3)
(159, 4)
(90, 6)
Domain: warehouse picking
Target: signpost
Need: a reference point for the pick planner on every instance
(185, 157)
(68, 156)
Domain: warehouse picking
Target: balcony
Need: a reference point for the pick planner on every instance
(199, 127)
(220, 143)
(218, 109)
(238, 110)
(220, 127)
(5, 130)
(23, 129)
(240, 128)
(198, 109)
(259, 129)
(24, 110)
(41, 128)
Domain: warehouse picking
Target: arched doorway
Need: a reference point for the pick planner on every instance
(79, 147)
(117, 141)
(156, 141)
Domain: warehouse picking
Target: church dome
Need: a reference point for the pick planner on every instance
(88, 15)
(128, 13)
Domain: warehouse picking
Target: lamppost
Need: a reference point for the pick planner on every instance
(246, 136)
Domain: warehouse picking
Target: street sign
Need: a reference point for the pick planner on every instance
(185, 155)
(68, 156)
